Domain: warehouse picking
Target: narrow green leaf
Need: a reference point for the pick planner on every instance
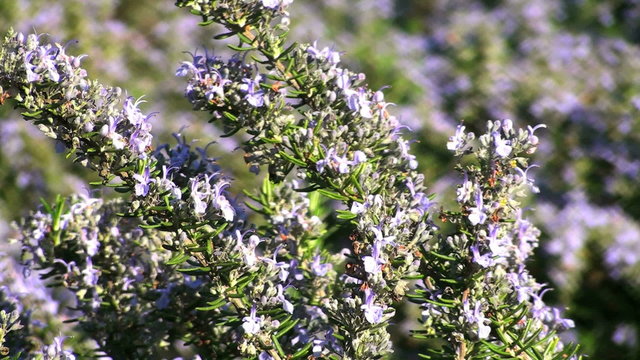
(346, 215)
(267, 188)
(302, 352)
(46, 205)
(288, 50)
(286, 326)
(445, 257)
(209, 246)
(178, 259)
(224, 35)
(292, 159)
(212, 305)
(278, 347)
(244, 38)
(200, 270)
(332, 195)
(240, 48)
(205, 23)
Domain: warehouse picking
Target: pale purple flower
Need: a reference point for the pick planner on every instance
(89, 274)
(502, 146)
(109, 130)
(519, 282)
(272, 4)
(32, 76)
(264, 356)
(477, 214)
(384, 240)
(358, 101)
(132, 113)
(526, 180)
(166, 184)
(318, 268)
(464, 192)
(507, 125)
(140, 140)
(215, 85)
(282, 266)
(51, 70)
(334, 161)
(457, 141)
(403, 145)
(252, 323)
(70, 266)
(142, 186)
(476, 316)
(343, 80)
(221, 203)
(539, 309)
(358, 158)
(255, 96)
(90, 240)
(249, 250)
(625, 334)
(186, 67)
(358, 208)
(295, 271)
(199, 197)
(373, 264)
(286, 304)
(423, 203)
(372, 312)
(560, 322)
(47, 60)
(56, 350)
(483, 260)
(533, 140)
(499, 246)
(325, 54)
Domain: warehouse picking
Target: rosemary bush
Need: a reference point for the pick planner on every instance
(177, 266)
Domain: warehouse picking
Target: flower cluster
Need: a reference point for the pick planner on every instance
(476, 277)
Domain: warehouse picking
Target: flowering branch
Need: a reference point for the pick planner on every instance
(478, 295)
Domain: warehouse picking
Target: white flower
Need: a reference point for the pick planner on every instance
(457, 141)
(503, 147)
(252, 324)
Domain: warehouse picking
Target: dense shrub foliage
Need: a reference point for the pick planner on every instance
(383, 221)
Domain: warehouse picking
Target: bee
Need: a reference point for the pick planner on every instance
(465, 295)
(495, 173)
(443, 216)
(276, 86)
(495, 217)
(357, 245)
(355, 270)
(4, 96)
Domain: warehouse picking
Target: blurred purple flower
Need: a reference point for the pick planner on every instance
(318, 268)
(372, 312)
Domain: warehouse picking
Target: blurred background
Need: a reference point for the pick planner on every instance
(573, 65)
